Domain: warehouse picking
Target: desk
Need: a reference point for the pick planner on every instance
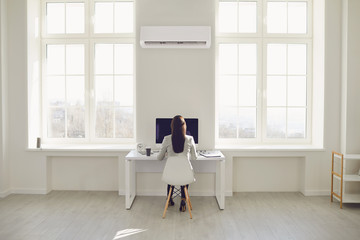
(133, 158)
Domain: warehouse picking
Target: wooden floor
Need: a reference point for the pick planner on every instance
(101, 215)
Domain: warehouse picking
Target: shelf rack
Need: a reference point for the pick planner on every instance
(344, 177)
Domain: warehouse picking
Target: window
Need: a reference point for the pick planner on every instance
(88, 71)
(264, 71)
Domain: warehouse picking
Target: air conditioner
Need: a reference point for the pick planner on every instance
(175, 36)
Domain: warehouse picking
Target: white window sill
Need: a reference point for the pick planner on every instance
(264, 148)
(84, 147)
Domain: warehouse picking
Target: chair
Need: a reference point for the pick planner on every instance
(178, 171)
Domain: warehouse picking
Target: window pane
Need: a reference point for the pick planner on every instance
(276, 91)
(124, 123)
(276, 17)
(297, 15)
(104, 17)
(55, 59)
(296, 122)
(75, 59)
(124, 91)
(104, 59)
(228, 91)
(228, 123)
(276, 122)
(56, 123)
(247, 91)
(55, 18)
(124, 17)
(297, 91)
(227, 16)
(76, 122)
(56, 91)
(75, 18)
(75, 91)
(104, 127)
(247, 17)
(247, 123)
(123, 58)
(297, 59)
(247, 58)
(104, 91)
(276, 59)
(228, 62)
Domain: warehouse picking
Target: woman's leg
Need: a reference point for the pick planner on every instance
(171, 199)
(183, 199)
(183, 192)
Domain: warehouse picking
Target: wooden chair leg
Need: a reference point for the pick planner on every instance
(167, 202)
(188, 201)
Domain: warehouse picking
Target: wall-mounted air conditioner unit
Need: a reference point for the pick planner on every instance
(175, 36)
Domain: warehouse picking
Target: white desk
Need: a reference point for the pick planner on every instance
(133, 158)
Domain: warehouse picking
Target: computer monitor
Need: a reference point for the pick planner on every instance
(163, 128)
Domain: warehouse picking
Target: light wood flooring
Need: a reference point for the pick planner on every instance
(102, 215)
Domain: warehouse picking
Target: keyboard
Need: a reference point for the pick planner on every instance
(209, 154)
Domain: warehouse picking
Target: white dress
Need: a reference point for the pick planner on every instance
(189, 148)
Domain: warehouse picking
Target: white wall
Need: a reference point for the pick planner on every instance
(170, 82)
(4, 161)
(175, 81)
(350, 77)
(270, 172)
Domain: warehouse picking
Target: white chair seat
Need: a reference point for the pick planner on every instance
(178, 171)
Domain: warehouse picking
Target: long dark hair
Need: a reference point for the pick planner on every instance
(178, 131)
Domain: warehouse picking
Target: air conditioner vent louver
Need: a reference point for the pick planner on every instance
(175, 37)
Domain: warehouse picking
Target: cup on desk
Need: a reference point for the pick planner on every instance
(148, 151)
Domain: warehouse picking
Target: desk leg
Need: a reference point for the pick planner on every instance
(220, 184)
(130, 183)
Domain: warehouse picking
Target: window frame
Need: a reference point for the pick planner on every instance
(44, 101)
(309, 64)
(93, 137)
(309, 25)
(262, 38)
(111, 35)
(88, 38)
(45, 35)
(259, 83)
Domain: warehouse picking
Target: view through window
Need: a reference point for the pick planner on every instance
(264, 76)
(88, 71)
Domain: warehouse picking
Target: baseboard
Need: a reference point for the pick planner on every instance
(121, 192)
(312, 193)
(192, 193)
(5, 193)
(228, 193)
(309, 193)
(29, 191)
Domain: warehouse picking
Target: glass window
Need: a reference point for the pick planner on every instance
(263, 82)
(65, 90)
(238, 17)
(65, 18)
(286, 88)
(88, 82)
(113, 91)
(237, 90)
(287, 17)
(113, 17)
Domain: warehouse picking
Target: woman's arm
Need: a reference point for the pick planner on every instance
(193, 154)
(163, 149)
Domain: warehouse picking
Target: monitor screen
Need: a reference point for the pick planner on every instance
(163, 128)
